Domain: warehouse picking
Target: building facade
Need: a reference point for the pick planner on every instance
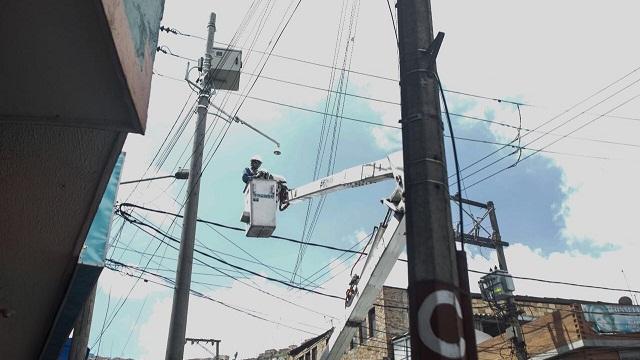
(554, 328)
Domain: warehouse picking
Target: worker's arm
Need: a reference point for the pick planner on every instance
(247, 175)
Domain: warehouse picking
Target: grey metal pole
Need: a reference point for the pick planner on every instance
(435, 319)
(518, 339)
(82, 329)
(180, 307)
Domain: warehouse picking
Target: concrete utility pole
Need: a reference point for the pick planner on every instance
(82, 328)
(435, 318)
(517, 339)
(179, 310)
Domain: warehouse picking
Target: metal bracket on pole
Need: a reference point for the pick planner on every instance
(432, 52)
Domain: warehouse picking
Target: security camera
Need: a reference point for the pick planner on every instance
(277, 151)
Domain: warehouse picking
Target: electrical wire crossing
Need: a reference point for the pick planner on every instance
(356, 252)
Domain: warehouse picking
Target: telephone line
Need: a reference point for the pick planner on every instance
(500, 100)
(554, 118)
(546, 146)
(471, 117)
(135, 221)
(201, 295)
(561, 282)
(256, 287)
(402, 260)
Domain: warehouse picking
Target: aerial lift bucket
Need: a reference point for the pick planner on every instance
(260, 207)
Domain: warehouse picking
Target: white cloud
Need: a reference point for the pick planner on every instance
(569, 266)
(494, 49)
(243, 333)
(249, 336)
(120, 286)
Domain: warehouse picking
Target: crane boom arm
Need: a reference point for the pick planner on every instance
(389, 243)
(360, 175)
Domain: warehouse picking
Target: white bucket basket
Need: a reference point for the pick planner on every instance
(260, 207)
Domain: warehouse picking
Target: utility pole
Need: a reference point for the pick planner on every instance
(81, 328)
(435, 316)
(517, 338)
(180, 307)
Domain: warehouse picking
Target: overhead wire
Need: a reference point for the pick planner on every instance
(255, 287)
(334, 108)
(121, 303)
(553, 142)
(455, 157)
(466, 116)
(561, 282)
(381, 77)
(289, 239)
(333, 265)
(354, 252)
(274, 41)
(99, 341)
(165, 50)
(133, 326)
(251, 313)
(321, 141)
(135, 221)
(556, 117)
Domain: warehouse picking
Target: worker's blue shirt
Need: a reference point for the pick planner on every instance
(247, 175)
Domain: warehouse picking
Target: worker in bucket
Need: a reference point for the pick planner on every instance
(254, 172)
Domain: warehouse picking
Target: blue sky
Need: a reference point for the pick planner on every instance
(549, 206)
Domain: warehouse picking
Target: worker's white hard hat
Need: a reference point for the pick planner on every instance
(256, 158)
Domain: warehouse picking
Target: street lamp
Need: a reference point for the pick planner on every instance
(181, 174)
(231, 119)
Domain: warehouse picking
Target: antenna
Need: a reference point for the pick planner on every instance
(629, 287)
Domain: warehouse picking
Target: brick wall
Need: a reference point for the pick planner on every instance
(391, 320)
(532, 309)
(319, 346)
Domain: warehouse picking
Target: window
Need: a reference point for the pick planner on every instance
(371, 316)
(218, 53)
(402, 348)
(307, 356)
(314, 354)
(361, 332)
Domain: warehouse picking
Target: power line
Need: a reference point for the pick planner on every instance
(132, 220)
(240, 229)
(201, 295)
(561, 282)
(119, 307)
(402, 260)
(334, 109)
(256, 287)
(448, 136)
(148, 271)
(471, 117)
(546, 146)
(555, 117)
(500, 100)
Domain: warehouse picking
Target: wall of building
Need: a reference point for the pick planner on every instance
(530, 308)
(391, 320)
(308, 353)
